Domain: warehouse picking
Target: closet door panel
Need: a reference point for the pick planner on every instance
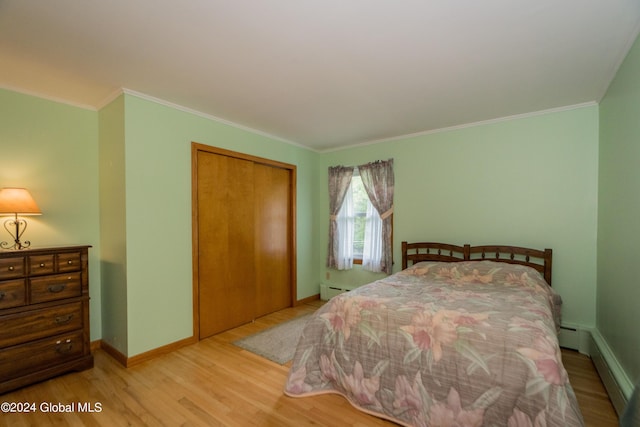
(273, 248)
(226, 242)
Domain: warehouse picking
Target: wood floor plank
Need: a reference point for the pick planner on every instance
(214, 383)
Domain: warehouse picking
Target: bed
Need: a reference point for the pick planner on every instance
(462, 336)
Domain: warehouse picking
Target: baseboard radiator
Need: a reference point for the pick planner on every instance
(328, 291)
(617, 384)
(591, 343)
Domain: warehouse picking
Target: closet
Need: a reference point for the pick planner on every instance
(243, 236)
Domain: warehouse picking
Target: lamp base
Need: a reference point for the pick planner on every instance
(16, 245)
(20, 226)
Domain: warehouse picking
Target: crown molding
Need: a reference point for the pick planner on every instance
(210, 117)
(109, 99)
(467, 125)
(48, 97)
(120, 91)
(622, 55)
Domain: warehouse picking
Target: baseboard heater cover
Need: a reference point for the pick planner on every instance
(618, 386)
(328, 291)
(590, 342)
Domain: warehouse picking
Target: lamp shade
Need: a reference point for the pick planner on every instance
(17, 201)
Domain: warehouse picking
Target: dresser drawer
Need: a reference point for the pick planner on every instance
(12, 294)
(11, 268)
(69, 262)
(26, 358)
(57, 286)
(41, 264)
(36, 324)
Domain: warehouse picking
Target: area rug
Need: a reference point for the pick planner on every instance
(277, 343)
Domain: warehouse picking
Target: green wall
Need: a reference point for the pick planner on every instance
(127, 175)
(113, 226)
(619, 215)
(528, 182)
(120, 180)
(158, 214)
(51, 149)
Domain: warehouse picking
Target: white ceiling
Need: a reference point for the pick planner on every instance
(322, 74)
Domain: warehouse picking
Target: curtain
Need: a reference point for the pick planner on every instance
(339, 183)
(378, 181)
(346, 231)
(372, 252)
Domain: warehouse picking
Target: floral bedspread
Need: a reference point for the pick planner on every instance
(442, 344)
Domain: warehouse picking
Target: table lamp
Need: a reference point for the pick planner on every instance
(17, 201)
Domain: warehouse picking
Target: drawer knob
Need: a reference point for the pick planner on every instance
(69, 262)
(61, 320)
(64, 348)
(11, 268)
(54, 289)
(42, 264)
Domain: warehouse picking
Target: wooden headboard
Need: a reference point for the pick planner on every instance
(541, 260)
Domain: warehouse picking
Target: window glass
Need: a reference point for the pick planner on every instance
(360, 202)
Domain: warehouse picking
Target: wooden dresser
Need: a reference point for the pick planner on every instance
(44, 314)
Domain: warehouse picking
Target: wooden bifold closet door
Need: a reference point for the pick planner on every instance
(272, 239)
(243, 238)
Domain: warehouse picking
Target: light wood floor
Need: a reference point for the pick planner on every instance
(214, 383)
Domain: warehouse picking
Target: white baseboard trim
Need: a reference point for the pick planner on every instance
(617, 383)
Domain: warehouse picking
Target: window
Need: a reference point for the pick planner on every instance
(361, 216)
(362, 210)
(359, 228)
